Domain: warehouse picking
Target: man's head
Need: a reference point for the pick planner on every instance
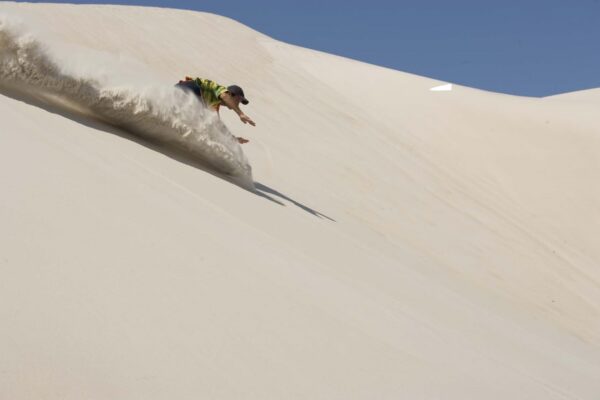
(237, 94)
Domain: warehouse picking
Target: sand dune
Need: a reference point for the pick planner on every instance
(590, 95)
(161, 114)
(381, 240)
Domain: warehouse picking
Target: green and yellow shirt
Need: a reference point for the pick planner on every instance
(210, 92)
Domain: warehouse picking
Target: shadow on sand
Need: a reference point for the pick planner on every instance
(179, 155)
(262, 190)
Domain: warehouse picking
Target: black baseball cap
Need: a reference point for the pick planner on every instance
(237, 91)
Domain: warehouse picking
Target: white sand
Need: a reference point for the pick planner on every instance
(419, 245)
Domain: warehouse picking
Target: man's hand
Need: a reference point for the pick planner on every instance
(232, 104)
(246, 119)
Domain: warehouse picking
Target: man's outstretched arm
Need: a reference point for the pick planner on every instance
(229, 102)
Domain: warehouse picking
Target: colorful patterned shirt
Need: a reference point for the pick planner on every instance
(211, 92)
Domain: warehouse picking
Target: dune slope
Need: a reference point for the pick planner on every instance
(373, 240)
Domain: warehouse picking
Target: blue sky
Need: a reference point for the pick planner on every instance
(527, 47)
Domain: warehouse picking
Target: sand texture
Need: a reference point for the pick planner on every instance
(374, 239)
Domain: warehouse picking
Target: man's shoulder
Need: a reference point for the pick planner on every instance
(217, 88)
(208, 82)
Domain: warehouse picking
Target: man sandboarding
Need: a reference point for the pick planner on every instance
(214, 95)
